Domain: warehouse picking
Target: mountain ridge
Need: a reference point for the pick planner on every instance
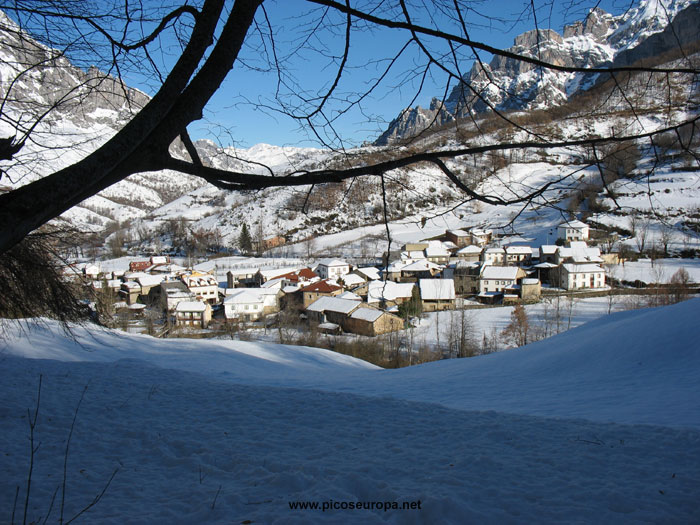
(507, 84)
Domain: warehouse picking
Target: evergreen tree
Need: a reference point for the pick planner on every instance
(245, 242)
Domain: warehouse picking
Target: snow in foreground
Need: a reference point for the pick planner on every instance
(598, 424)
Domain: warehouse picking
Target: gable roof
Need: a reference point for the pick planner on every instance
(519, 250)
(437, 289)
(332, 262)
(370, 272)
(352, 279)
(190, 306)
(321, 287)
(245, 296)
(573, 224)
(582, 268)
(389, 291)
(500, 272)
(333, 304)
(367, 314)
(470, 249)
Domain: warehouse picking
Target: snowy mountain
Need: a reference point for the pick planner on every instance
(599, 40)
(164, 211)
(598, 424)
(70, 113)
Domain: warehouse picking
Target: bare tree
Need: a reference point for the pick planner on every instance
(518, 331)
(216, 37)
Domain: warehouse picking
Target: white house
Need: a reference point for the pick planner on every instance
(579, 276)
(573, 231)
(436, 252)
(469, 253)
(578, 252)
(332, 268)
(245, 304)
(518, 255)
(202, 285)
(494, 256)
(498, 278)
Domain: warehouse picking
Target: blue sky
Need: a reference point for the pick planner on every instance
(242, 112)
(246, 125)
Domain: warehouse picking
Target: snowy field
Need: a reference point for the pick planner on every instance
(598, 424)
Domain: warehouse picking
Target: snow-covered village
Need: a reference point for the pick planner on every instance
(350, 262)
(461, 273)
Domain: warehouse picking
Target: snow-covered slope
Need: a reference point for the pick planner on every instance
(221, 431)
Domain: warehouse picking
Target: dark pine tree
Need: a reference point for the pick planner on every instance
(245, 242)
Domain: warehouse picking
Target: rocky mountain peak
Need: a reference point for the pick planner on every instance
(508, 84)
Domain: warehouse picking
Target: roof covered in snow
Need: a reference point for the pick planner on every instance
(437, 289)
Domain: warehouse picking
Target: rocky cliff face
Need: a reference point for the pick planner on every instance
(600, 39)
(35, 79)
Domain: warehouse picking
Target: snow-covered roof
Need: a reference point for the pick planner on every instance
(548, 249)
(573, 224)
(494, 250)
(437, 289)
(459, 233)
(276, 272)
(273, 283)
(413, 254)
(582, 268)
(470, 249)
(332, 304)
(190, 306)
(332, 262)
(350, 295)
(420, 266)
(150, 280)
(531, 281)
(436, 249)
(367, 314)
(245, 296)
(352, 279)
(371, 272)
(500, 272)
(518, 250)
(388, 291)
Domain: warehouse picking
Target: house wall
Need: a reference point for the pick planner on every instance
(383, 325)
(530, 292)
(310, 297)
(466, 284)
(583, 280)
(331, 272)
(495, 285)
(434, 306)
(469, 257)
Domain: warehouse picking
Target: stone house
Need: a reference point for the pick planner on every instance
(437, 294)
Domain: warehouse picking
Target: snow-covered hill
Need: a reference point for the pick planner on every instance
(598, 424)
